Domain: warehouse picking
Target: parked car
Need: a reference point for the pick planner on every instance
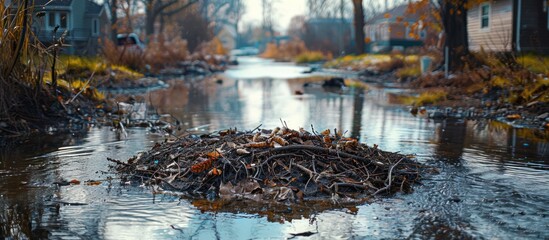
(131, 42)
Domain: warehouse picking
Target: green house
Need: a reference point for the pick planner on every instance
(83, 22)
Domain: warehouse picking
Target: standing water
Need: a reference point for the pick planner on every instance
(492, 183)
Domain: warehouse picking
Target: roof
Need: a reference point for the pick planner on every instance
(93, 8)
(328, 20)
(53, 3)
(399, 11)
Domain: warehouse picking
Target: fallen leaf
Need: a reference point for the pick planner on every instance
(93, 183)
(214, 154)
(74, 182)
(513, 116)
(242, 151)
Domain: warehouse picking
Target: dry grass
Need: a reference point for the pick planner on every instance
(123, 56)
(411, 71)
(312, 56)
(294, 50)
(379, 62)
(535, 63)
(165, 52)
(425, 98)
(213, 47)
(502, 77)
(19, 68)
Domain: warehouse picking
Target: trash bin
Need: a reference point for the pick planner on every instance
(425, 63)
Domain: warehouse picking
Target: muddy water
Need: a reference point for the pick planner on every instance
(493, 180)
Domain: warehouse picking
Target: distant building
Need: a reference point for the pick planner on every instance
(509, 25)
(84, 21)
(228, 36)
(398, 29)
(333, 35)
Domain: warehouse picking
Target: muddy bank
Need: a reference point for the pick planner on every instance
(460, 96)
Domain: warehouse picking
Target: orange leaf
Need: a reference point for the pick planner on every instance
(214, 154)
(93, 183)
(513, 117)
(75, 182)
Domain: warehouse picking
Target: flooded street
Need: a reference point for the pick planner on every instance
(493, 180)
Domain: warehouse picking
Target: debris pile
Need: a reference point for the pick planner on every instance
(282, 165)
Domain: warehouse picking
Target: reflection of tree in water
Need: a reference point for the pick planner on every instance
(228, 103)
(198, 100)
(266, 85)
(504, 143)
(183, 100)
(358, 104)
(451, 140)
(23, 207)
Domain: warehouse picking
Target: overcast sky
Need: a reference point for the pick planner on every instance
(284, 11)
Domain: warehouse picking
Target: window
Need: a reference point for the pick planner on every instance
(63, 20)
(51, 19)
(60, 19)
(95, 27)
(485, 15)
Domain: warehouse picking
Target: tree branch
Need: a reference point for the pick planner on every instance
(181, 8)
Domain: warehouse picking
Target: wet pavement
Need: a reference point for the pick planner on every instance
(492, 183)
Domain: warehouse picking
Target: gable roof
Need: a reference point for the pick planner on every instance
(53, 3)
(399, 11)
(93, 8)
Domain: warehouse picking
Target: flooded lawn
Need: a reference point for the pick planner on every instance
(492, 183)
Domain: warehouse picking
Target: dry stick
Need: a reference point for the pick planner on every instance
(118, 162)
(22, 39)
(278, 156)
(256, 127)
(83, 88)
(343, 184)
(389, 178)
(326, 150)
(311, 174)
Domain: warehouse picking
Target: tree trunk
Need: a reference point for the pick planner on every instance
(150, 17)
(114, 19)
(359, 26)
(454, 21)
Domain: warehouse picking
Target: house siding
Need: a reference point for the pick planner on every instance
(79, 26)
(498, 35)
(534, 34)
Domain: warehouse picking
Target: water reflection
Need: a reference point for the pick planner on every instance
(492, 181)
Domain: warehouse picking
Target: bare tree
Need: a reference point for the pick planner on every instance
(268, 12)
(154, 8)
(114, 19)
(359, 25)
(129, 8)
(327, 8)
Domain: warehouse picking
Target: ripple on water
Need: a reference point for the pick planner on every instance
(492, 181)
